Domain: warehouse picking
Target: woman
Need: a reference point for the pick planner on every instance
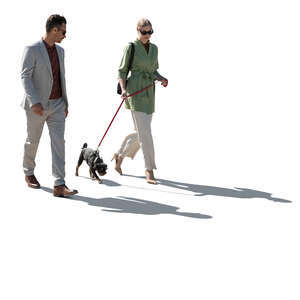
(143, 73)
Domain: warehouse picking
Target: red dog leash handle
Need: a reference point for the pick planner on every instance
(133, 94)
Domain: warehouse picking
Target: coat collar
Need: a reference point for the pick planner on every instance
(138, 42)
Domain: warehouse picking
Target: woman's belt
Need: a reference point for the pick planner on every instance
(146, 75)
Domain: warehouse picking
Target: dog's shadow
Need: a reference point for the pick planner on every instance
(104, 181)
(133, 206)
(205, 190)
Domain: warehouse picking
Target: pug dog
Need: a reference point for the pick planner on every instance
(94, 161)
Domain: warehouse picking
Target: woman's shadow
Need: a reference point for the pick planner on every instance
(205, 190)
(133, 206)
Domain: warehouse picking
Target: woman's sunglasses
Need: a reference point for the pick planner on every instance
(146, 32)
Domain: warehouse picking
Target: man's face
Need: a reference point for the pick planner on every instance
(60, 33)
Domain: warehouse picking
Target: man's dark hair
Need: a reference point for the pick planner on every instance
(55, 21)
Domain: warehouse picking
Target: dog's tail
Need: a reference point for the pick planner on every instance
(84, 146)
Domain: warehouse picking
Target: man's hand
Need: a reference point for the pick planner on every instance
(38, 109)
(66, 112)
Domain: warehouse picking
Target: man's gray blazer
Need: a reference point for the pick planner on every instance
(37, 76)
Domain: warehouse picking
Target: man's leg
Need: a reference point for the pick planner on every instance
(56, 126)
(35, 124)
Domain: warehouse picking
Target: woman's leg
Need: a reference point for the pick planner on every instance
(143, 126)
(129, 147)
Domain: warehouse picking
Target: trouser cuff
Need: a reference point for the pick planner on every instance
(59, 182)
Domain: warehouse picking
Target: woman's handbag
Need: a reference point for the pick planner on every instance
(119, 90)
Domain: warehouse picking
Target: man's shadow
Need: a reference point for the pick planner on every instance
(133, 206)
(205, 190)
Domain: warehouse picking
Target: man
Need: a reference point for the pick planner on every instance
(45, 100)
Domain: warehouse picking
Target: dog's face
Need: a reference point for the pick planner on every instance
(99, 165)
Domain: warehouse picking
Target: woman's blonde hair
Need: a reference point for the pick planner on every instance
(143, 23)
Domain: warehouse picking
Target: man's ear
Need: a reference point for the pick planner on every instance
(54, 30)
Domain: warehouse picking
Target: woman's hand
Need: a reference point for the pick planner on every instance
(163, 80)
(124, 94)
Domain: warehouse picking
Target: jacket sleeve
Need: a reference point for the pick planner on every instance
(123, 69)
(28, 65)
(65, 88)
(156, 74)
(156, 66)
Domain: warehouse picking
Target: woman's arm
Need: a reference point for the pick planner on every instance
(123, 70)
(122, 82)
(163, 80)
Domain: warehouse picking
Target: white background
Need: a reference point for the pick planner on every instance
(227, 120)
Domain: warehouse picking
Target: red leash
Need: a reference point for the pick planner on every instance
(133, 94)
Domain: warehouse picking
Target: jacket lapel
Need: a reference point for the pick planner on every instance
(60, 58)
(45, 56)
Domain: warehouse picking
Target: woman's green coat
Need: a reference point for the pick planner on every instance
(143, 73)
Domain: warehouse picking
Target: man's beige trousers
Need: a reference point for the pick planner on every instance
(54, 116)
